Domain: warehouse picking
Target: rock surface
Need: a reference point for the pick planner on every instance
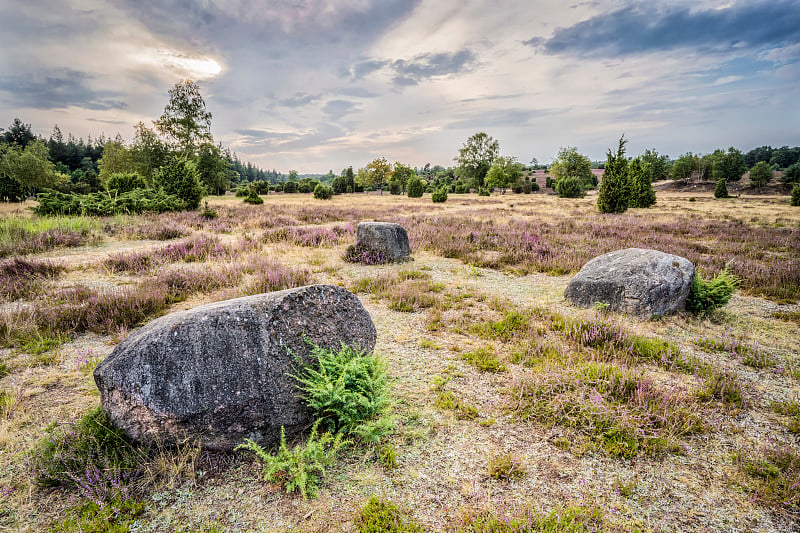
(635, 281)
(220, 371)
(388, 238)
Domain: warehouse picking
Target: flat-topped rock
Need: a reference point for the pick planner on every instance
(221, 372)
(388, 238)
(636, 281)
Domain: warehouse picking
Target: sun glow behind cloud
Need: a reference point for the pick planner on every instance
(197, 68)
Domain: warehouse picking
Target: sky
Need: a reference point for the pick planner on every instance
(320, 85)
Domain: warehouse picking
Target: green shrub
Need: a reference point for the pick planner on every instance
(414, 187)
(52, 203)
(302, 468)
(179, 177)
(642, 193)
(505, 466)
(242, 192)
(323, 192)
(614, 193)
(253, 198)
(117, 516)
(290, 187)
(346, 389)
(706, 295)
(721, 190)
(760, 174)
(485, 360)
(792, 174)
(382, 516)
(125, 182)
(484, 191)
(570, 187)
(796, 195)
(439, 195)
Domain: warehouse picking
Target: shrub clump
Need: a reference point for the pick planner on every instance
(439, 195)
(323, 192)
(414, 187)
(365, 254)
(721, 190)
(707, 295)
(796, 195)
(125, 182)
(570, 187)
(104, 204)
(382, 516)
(253, 198)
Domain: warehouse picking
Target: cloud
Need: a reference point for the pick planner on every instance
(337, 109)
(57, 89)
(638, 30)
(516, 117)
(299, 100)
(407, 72)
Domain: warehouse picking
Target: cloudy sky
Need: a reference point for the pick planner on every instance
(321, 84)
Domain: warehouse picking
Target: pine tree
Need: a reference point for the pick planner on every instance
(796, 195)
(721, 190)
(180, 177)
(614, 190)
(642, 193)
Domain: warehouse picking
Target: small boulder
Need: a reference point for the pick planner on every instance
(634, 281)
(390, 239)
(221, 372)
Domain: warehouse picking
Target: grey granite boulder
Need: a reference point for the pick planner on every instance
(221, 371)
(388, 238)
(634, 281)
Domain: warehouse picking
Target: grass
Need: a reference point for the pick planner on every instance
(404, 292)
(569, 519)
(484, 359)
(383, 516)
(23, 235)
(23, 278)
(619, 412)
(774, 474)
(506, 466)
(790, 409)
(749, 354)
(723, 387)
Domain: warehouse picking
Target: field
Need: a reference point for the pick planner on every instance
(512, 409)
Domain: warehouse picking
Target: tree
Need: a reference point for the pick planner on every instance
(18, 133)
(728, 165)
(439, 196)
(290, 187)
(414, 187)
(212, 169)
(401, 175)
(322, 192)
(796, 195)
(350, 180)
(659, 164)
(30, 168)
(504, 173)
(185, 120)
(721, 190)
(149, 152)
(377, 171)
(476, 156)
(784, 156)
(641, 187)
(179, 177)
(116, 159)
(125, 182)
(684, 167)
(570, 187)
(614, 191)
(569, 163)
(792, 174)
(760, 174)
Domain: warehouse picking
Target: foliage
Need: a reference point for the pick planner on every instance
(792, 174)
(640, 183)
(571, 519)
(760, 174)
(115, 516)
(707, 295)
(179, 177)
(253, 197)
(212, 169)
(125, 182)
(401, 175)
(476, 156)
(504, 172)
(104, 204)
(117, 159)
(614, 191)
(323, 192)
(414, 187)
(185, 119)
(302, 468)
(570, 164)
(382, 516)
(570, 187)
(26, 169)
(728, 165)
(290, 187)
(377, 172)
(795, 201)
(721, 190)
(684, 166)
(659, 165)
(18, 133)
(439, 195)
(346, 389)
(792, 410)
(506, 467)
(148, 151)
(485, 360)
(775, 472)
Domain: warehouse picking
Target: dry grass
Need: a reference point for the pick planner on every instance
(690, 401)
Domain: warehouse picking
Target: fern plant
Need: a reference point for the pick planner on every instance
(301, 468)
(346, 389)
(706, 295)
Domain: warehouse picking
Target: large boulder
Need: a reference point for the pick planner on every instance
(222, 371)
(635, 281)
(386, 237)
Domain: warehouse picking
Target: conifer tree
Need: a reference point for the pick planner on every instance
(614, 191)
(642, 193)
(721, 190)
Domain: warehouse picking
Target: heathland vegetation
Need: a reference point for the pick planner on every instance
(489, 403)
